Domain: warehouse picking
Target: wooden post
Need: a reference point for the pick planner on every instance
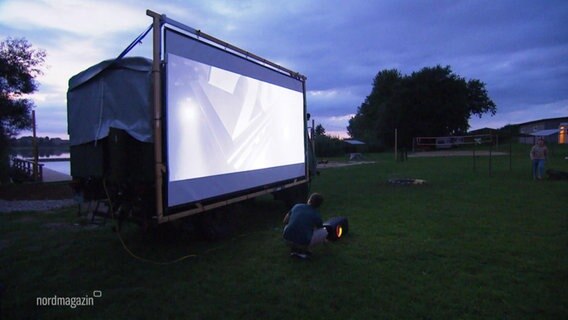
(490, 157)
(395, 144)
(511, 150)
(35, 172)
(497, 142)
(474, 143)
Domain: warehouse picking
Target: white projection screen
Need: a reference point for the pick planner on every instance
(231, 124)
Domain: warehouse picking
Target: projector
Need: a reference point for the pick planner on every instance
(336, 228)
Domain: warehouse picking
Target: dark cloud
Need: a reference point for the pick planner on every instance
(518, 48)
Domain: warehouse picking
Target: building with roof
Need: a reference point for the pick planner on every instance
(552, 130)
(352, 145)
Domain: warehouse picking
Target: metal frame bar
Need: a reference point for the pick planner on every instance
(159, 168)
(235, 49)
(158, 21)
(203, 208)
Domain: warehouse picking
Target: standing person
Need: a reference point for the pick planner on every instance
(304, 227)
(539, 154)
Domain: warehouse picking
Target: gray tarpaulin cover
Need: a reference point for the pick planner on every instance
(111, 94)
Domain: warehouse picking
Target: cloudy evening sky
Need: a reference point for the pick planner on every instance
(518, 48)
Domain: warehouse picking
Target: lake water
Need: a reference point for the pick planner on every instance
(43, 154)
(59, 166)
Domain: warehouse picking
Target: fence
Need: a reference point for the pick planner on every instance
(27, 169)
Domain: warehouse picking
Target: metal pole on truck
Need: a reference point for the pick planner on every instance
(309, 137)
(157, 103)
(313, 137)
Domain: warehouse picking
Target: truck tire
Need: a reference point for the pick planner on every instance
(216, 224)
(293, 195)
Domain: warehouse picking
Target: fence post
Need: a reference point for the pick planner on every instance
(474, 156)
(395, 144)
(490, 157)
(35, 150)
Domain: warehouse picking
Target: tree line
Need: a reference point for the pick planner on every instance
(41, 142)
(431, 102)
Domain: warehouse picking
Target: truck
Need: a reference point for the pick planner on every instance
(200, 126)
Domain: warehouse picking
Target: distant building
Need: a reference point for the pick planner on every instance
(485, 130)
(563, 133)
(552, 130)
(354, 146)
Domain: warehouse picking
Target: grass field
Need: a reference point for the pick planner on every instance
(466, 245)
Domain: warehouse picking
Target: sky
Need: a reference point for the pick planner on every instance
(518, 48)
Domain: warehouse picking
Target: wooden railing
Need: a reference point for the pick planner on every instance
(28, 168)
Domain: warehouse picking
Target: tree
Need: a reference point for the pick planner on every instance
(319, 130)
(430, 102)
(19, 66)
(365, 125)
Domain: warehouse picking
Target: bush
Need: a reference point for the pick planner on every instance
(4, 161)
(329, 146)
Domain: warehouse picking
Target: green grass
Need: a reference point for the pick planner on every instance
(465, 246)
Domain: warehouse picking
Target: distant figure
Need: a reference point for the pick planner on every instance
(304, 227)
(539, 154)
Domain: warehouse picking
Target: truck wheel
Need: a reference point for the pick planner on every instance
(294, 195)
(216, 224)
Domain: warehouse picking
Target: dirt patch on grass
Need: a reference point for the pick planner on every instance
(337, 164)
(36, 191)
(456, 153)
(4, 244)
(25, 219)
(59, 226)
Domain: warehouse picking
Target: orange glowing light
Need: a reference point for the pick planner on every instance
(338, 231)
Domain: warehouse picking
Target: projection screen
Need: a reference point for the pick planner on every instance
(231, 124)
